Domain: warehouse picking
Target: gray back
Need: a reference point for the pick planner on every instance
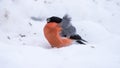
(67, 28)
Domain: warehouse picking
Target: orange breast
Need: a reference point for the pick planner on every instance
(51, 32)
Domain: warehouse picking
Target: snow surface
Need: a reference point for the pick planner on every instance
(23, 45)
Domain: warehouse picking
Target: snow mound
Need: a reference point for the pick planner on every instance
(23, 45)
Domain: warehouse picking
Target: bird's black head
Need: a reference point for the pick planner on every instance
(54, 19)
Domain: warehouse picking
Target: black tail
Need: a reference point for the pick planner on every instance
(84, 40)
(80, 42)
(78, 39)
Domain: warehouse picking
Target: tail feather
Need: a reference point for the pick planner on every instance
(78, 39)
(83, 40)
(80, 42)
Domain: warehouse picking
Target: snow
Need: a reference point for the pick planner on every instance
(23, 45)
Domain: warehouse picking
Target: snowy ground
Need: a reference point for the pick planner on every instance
(23, 45)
